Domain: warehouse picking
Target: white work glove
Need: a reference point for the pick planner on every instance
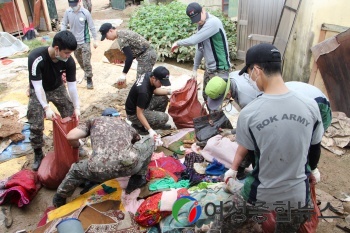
(49, 113)
(316, 174)
(194, 74)
(233, 186)
(77, 113)
(157, 141)
(95, 44)
(121, 80)
(230, 173)
(152, 133)
(174, 46)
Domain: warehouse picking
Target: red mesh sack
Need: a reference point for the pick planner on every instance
(168, 163)
(56, 164)
(308, 226)
(184, 105)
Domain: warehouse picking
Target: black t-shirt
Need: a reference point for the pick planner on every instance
(140, 94)
(41, 67)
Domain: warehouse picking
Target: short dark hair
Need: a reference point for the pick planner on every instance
(269, 68)
(65, 40)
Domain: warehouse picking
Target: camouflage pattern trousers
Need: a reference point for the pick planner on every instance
(80, 172)
(146, 61)
(83, 56)
(87, 5)
(209, 74)
(155, 113)
(35, 114)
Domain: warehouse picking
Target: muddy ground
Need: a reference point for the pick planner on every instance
(334, 169)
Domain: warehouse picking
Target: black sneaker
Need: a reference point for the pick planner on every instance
(135, 182)
(58, 201)
(141, 130)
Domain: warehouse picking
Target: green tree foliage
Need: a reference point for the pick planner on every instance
(162, 25)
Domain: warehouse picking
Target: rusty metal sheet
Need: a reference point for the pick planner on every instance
(335, 70)
(10, 18)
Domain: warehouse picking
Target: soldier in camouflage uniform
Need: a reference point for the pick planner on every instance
(80, 21)
(46, 66)
(117, 152)
(145, 110)
(133, 46)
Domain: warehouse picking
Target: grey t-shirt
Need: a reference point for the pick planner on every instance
(242, 91)
(80, 22)
(211, 43)
(280, 128)
(316, 94)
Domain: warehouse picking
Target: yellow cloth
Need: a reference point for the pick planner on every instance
(95, 195)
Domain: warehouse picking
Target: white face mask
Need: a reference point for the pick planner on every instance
(58, 57)
(75, 8)
(253, 83)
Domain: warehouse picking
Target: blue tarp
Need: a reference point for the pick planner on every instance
(18, 149)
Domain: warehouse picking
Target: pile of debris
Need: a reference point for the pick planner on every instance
(337, 136)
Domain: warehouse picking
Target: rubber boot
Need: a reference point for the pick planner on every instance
(38, 156)
(89, 83)
(58, 201)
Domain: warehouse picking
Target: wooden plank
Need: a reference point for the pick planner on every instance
(243, 22)
(241, 55)
(22, 13)
(37, 7)
(263, 38)
(333, 28)
(46, 15)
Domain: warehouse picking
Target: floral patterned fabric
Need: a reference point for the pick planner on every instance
(149, 213)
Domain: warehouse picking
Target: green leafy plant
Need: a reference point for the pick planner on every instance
(162, 25)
